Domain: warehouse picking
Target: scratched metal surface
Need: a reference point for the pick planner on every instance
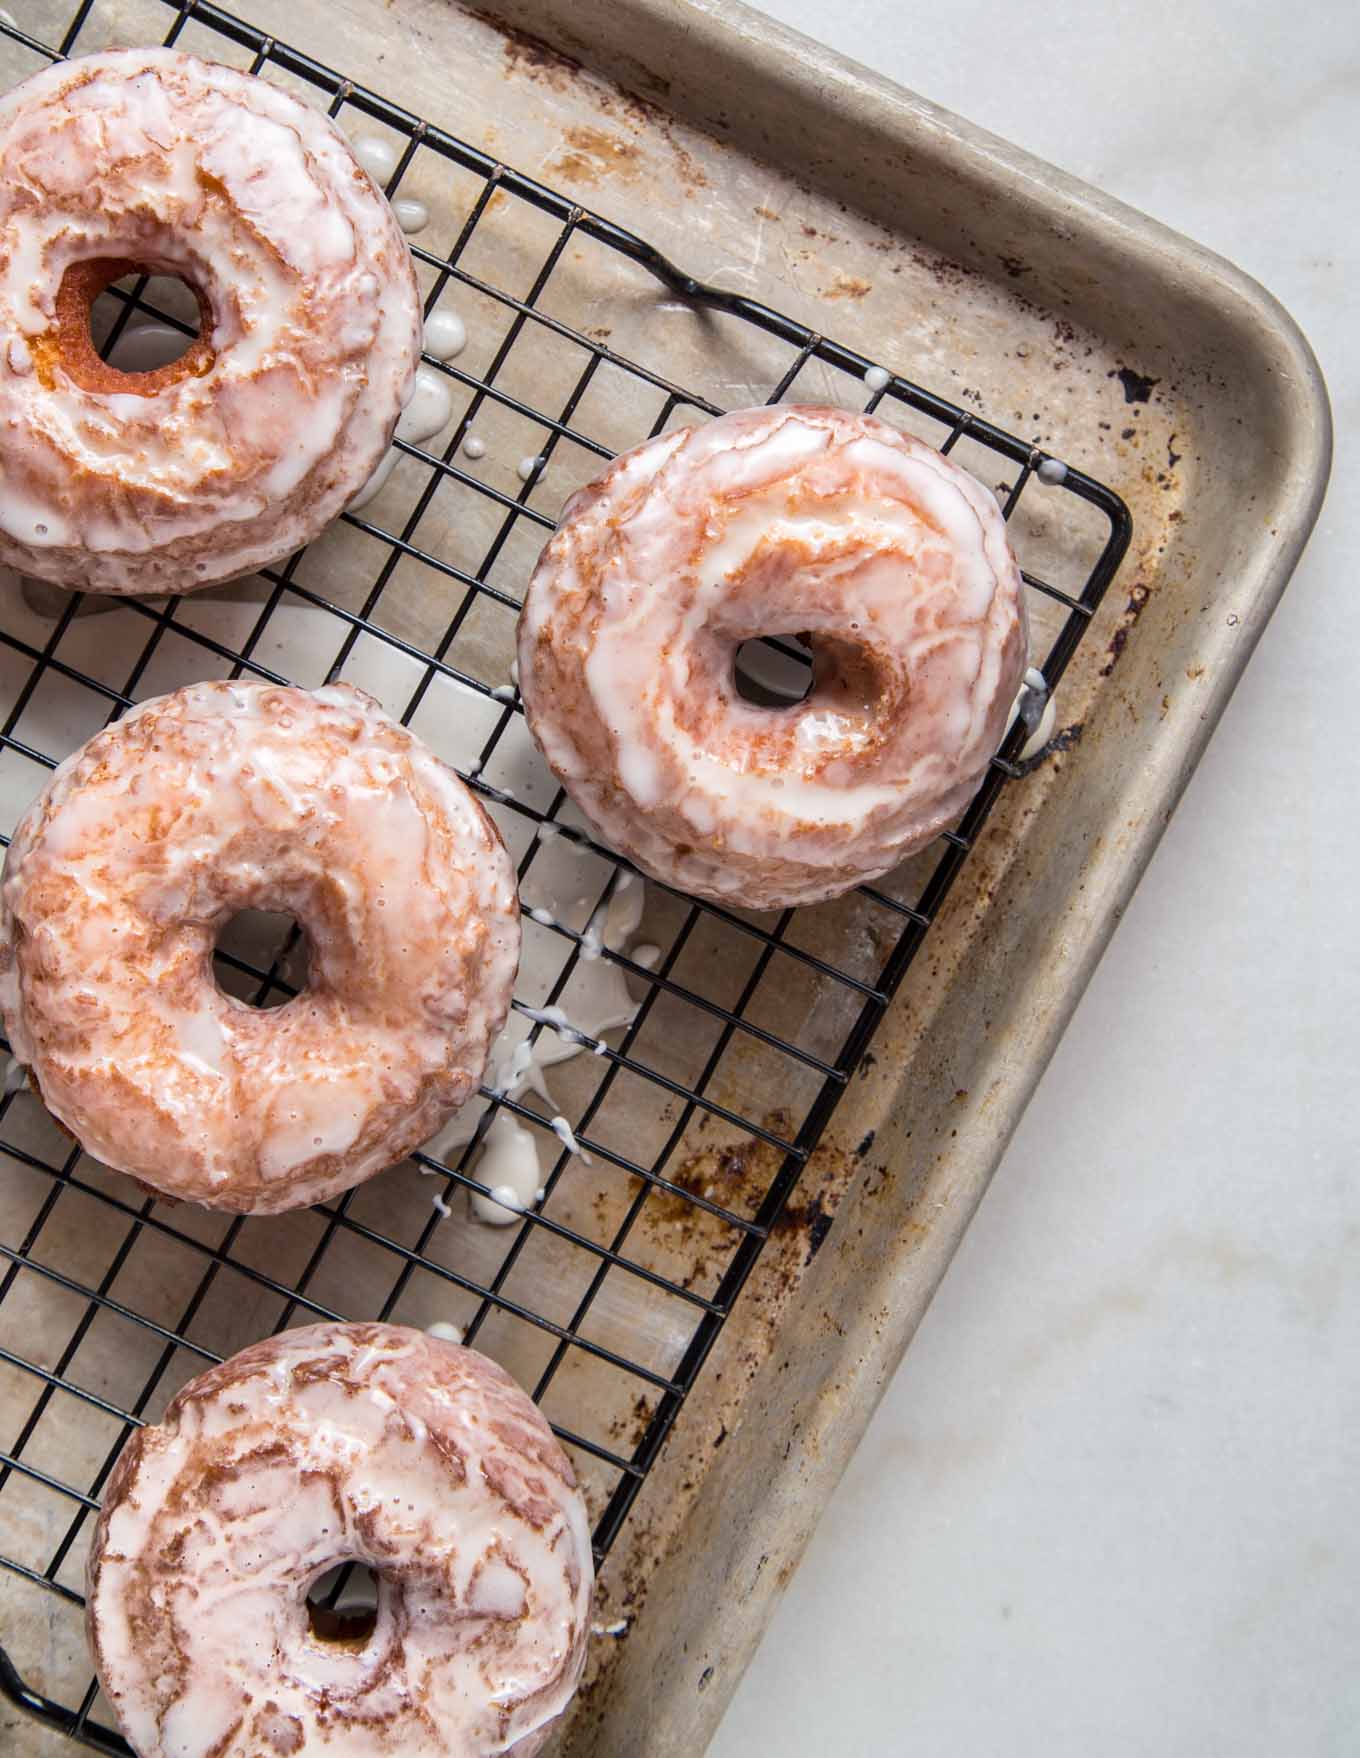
(741, 157)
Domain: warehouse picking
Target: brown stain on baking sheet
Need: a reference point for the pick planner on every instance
(532, 58)
(590, 155)
(847, 287)
(735, 1173)
(736, 1176)
(528, 57)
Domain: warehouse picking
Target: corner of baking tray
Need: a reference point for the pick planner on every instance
(672, 51)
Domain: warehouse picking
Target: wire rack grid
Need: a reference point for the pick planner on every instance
(800, 1078)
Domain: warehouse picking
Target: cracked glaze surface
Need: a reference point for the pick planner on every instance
(775, 521)
(232, 796)
(376, 1443)
(150, 157)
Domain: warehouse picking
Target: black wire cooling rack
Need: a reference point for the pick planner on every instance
(87, 1298)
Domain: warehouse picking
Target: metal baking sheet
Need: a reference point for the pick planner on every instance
(1015, 291)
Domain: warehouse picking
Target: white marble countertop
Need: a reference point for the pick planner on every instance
(1108, 1505)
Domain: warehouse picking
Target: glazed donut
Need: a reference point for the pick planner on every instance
(374, 1444)
(892, 563)
(232, 796)
(240, 452)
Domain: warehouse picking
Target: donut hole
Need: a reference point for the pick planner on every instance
(825, 670)
(773, 671)
(261, 958)
(342, 1606)
(139, 357)
(150, 340)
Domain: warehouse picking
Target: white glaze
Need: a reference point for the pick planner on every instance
(203, 171)
(509, 1167)
(1052, 471)
(877, 378)
(592, 941)
(565, 1134)
(518, 1067)
(411, 215)
(378, 157)
(430, 407)
(1043, 730)
(373, 1443)
(773, 521)
(554, 1017)
(445, 334)
(474, 447)
(564, 882)
(377, 482)
(445, 1332)
(426, 414)
(1036, 706)
(526, 467)
(237, 796)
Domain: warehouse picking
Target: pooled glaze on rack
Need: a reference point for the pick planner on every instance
(509, 1167)
(891, 561)
(282, 407)
(509, 1163)
(377, 1444)
(232, 796)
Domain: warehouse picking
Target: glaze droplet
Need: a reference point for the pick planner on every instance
(564, 1133)
(378, 157)
(428, 411)
(1042, 733)
(1036, 707)
(412, 216)
(474, 447)
(876, 377)
(445, 334)
(1052, 471)
(509, 1168)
